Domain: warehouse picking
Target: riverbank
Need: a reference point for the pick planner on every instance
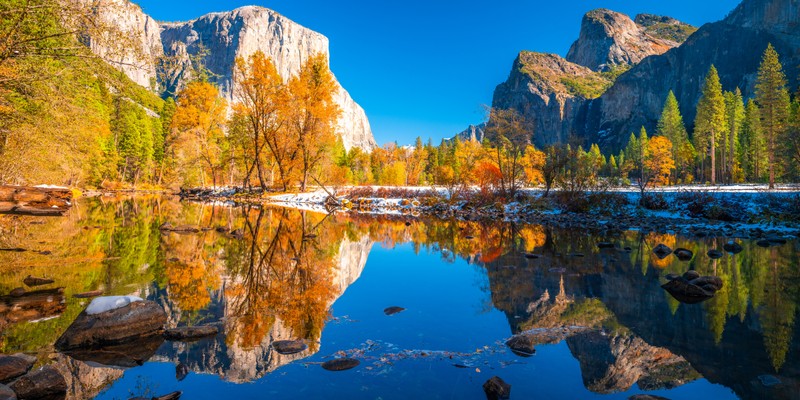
(741, 211)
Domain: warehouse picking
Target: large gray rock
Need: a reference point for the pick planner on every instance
(137, 320)
(44, 383)
(14, 366)
(226, 36)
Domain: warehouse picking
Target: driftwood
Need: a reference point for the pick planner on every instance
(30, 306)
(22, 200)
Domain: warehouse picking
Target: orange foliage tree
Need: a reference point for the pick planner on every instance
(198, 129)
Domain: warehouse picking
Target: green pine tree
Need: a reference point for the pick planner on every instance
(671, 126)
(709, 123)
(773, 100)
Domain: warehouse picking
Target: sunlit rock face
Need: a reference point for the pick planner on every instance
(161, 53)
(610, 39)
(243, 352)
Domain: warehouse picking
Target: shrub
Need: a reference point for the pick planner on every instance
(655, 201)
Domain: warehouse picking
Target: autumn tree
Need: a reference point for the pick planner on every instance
(650, 160)
(709, 123)
(262, 101)
(312, 114)
(509, 133)
(671, 126)
(199, 125)
(772, 98)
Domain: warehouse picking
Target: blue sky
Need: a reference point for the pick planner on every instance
(426, 67)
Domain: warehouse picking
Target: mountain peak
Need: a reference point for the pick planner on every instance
(609, 39)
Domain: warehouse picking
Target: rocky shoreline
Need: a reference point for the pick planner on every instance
(518, 212)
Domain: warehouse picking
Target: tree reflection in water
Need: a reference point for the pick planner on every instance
(273, 273)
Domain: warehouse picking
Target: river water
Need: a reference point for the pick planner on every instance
(603, 326)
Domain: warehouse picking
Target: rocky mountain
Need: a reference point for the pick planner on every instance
(734, 45)
(551, 91)
(635, 98)
(160, 55)
(611, 40)
(474, 133)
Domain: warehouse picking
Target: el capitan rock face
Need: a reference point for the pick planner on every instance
(225, 36)
(610, 39)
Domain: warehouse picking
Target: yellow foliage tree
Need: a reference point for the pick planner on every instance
(197, 126)
(312, 113)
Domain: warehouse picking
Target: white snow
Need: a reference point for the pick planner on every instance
(108, 303)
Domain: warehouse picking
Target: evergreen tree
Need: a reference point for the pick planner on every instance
(752, 148)
(773, 100)
(734, 115)
(710, 121)
(671, 126)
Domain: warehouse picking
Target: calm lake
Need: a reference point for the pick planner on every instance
(604, 328)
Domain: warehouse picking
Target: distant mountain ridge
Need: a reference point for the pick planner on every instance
(161, 59)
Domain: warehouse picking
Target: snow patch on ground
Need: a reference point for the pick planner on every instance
(108, 303)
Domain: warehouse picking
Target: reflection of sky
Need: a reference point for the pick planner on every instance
(445, 311)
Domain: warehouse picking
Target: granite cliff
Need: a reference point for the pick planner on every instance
(641, 61)
(160, 54)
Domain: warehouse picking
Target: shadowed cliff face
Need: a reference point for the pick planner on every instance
(160, 57)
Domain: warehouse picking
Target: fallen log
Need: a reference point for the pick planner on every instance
(40, 201)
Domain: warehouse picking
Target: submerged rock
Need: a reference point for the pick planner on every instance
(686, 292)
(14, 366)
(32, 281)
(132, 353)
(170, 396)
(115, 326)
(605, 245)
(44, 383)
(87, 295)
(646, 397)
(497, 389)
(287, 347)
(393, 310)
(522, 345)
(691, 274)
(340, 364)
(190, 333)
(763, 243)
(531, 256)
(18, 292)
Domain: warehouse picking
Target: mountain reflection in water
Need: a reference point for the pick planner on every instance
(267, 274)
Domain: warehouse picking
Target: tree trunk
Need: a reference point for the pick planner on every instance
(713, 160)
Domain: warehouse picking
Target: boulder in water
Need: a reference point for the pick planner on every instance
(662, 251)
(714, 254)
(14, 366)
(110, 326)
(190, 333)
(522, 345)
(44, 383)
(6, 393)
(340, 364)
(497, 389)
(686, 292)
(732, 247)
(286, 347)
(393, 310)
(683, 254)
(32, 281)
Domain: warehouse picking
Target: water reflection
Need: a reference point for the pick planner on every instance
(268, 274)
